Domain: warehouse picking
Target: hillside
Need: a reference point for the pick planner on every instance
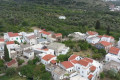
(19, 15)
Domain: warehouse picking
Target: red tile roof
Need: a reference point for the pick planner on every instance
(72, 57)
(105, 43)
(53, 61)
(10, 42)
(108, 36)
(44, 32)
(92, 32)
(11, 62)
(67, 64)
(11, 34)
(114, 50)
(88, 59)
(1, 40)
(74, 61)
(48, 57)
(90, 76)
(92, 68)
(58, 34)
(83, 62)
(100, 36)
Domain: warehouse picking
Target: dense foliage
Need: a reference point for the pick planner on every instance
(81, 15)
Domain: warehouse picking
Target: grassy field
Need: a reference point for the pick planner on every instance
(12, 78)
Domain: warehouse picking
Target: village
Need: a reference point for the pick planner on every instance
(47, 45)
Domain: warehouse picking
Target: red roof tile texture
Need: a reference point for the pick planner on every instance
(67, 64)
(48, 57)
(11, 62)
(11, 34)
(58, 35)
(10, 42)
(92, 68)
(44, 32)
(1, 40)
(114, 50)
(105, 43)
(90, 76)
(72, 57)
(92, 32)
(74, 61)
(83, 62)
(53, 61)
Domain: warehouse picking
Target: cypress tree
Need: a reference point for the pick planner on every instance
(97, 26)
(108, 30)
(6, 54)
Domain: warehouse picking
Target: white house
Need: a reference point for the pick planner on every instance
(44, 51)
(45, 34)
(107, 38)
(91, 33)
(11, 46)
(30, 38)
(92, 40)
(88, 68)
(10, 36)
(59, 48)
(67, 65)
(113, 55)
(29, 54)
(104, 45)
(48, 58)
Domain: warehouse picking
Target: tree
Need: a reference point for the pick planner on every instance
(6, 53)
(10, 71)
(97, 26)
(1, 63)
(62, 57)
(108, 30)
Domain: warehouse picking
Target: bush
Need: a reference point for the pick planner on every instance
(97, 56)
(102, 75)
(17, 42)
(20, 61)
(1, 63)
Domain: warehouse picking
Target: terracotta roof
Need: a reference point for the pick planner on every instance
(114, 50)
(1, 40)
(72, 57)
(90, 76)
(31, 37)
(108, 36)
(53, 61)
(44, 32)
(11, 62)
(83, 62)
(58, 34)
(88, 59)
(74, 61)
(100, 36)
(92, 68)
(10, 42)
(105, 43)
(92, 32)
(48, 57)
(67, 64)
(11, 34)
